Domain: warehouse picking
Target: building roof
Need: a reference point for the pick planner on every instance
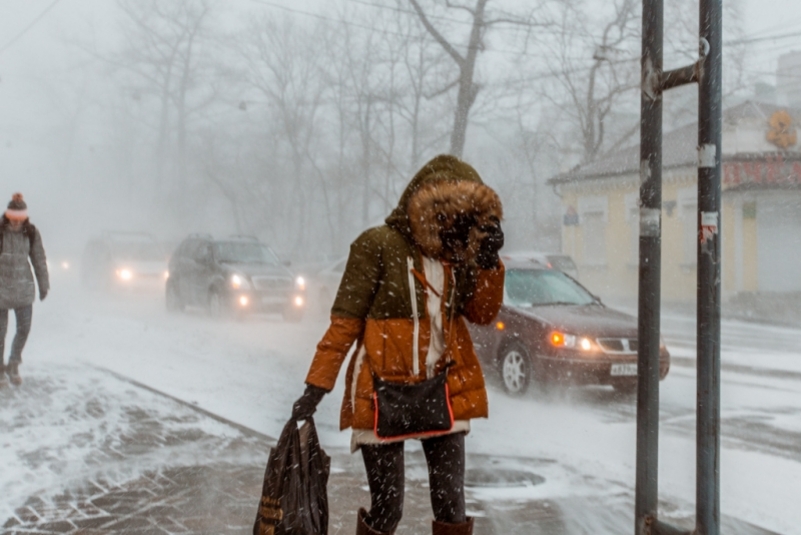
(679, 147)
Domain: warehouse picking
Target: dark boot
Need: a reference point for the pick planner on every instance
(13, 373)
(441, 528)
(363, 529)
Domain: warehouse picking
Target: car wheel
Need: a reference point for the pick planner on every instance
(515, 368)
(174, 302)
(216, 305)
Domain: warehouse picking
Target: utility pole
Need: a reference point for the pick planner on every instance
(708, 73)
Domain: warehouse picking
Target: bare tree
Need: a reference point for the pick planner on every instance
(283, 67)
(424, 74)
(593, 71)
(163, 57)
(480, 21)
(591, 68)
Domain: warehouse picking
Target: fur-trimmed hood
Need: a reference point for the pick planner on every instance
(442, 191)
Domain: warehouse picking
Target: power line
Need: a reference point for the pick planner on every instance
(327, 19)
(28, 28)
(434, 17)
(384, 32)
(537, 76)
(747, 40)
(744, 40)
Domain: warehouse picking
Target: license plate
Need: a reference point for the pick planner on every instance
(624, 369)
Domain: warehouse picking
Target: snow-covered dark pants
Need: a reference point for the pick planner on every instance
(385, 475)
(24, 316)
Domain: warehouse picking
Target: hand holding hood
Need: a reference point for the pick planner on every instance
(446, 198)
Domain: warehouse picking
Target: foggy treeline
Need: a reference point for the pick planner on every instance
(303, 126)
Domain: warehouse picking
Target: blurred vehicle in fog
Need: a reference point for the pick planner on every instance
(552, 330)
(326, 283)
(123, 261)
(560, 261)
(236, 275)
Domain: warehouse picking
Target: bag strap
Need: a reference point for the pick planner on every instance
(413, 296)
(30, 231)
(422, 278)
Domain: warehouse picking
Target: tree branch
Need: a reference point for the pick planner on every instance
(437, 36)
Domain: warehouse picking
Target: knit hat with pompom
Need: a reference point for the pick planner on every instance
(17, 209)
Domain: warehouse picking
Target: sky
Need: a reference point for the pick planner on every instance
(70, 16)
(38, 59)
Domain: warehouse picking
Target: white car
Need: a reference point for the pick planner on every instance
(132, 261)
(558, 261)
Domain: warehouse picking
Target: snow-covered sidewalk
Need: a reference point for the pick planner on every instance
(249, 373)
(85, 451)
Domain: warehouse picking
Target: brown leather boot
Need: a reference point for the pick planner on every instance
(363, 529)
(441, 528)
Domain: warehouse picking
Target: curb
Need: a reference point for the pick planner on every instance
(239, 427)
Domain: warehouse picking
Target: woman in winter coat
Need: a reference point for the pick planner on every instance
(407, 289)
(19, 241)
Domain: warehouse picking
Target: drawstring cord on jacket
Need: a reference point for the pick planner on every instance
(414, 274)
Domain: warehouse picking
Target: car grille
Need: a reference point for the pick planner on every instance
(272, 284)
(618, 345)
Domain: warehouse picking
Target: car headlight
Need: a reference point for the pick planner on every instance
(300, 283)
(571, 341)
(239, 282)
(125, 274)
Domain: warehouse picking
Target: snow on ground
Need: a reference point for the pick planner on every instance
(251, 371)
(67, 423)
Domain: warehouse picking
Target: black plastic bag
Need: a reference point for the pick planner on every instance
(294, 498)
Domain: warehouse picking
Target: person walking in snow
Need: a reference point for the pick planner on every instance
(407, 289)
(19, 242)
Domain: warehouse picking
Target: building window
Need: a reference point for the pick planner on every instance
(688, 212)
(749, 210)
(593, 216)
(632, 201)
(594, 232)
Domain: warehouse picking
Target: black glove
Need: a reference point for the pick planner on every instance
(42, 294)
(306, 405)
(455, 238)
(487, 257)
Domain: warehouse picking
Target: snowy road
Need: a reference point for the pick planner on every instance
(251, 371)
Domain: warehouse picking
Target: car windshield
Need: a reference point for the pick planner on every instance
(244, 253)
(138, 251)
(540, 287)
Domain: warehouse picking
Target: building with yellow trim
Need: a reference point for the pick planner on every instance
(760, 221)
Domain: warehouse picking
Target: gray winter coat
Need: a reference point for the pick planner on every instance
(16, 280)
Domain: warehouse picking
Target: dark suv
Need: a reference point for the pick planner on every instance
(236, 275)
